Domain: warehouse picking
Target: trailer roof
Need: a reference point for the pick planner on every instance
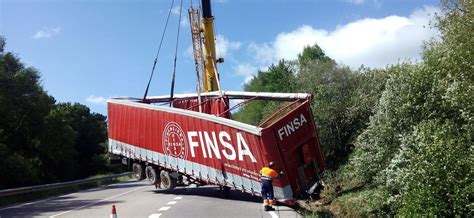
(234, 95)
(232, 123)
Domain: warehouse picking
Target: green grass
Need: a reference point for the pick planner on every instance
(345, 196)
(362, 202)
(318, 212)
(20, 198)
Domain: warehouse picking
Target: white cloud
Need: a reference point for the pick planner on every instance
(357, 2)
(224, 46)
(97, 100)
(175, 10)
(47, 32)
(376, 3)
(247, 70)
(189, 53)
(263, 53)
(234, 102)
(372, 42)
(184, 22)
(184, 16)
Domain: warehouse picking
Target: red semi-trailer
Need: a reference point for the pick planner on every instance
(193, 139)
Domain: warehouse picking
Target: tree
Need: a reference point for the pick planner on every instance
(41, 141)
(23, 105)
(57, 152)
(343, 100)
(278, 78)
(432, 174)
(91, 131)
(2, 44)
(311, 54)
(418, 145)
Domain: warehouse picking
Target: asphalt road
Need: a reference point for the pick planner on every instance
(138, 199)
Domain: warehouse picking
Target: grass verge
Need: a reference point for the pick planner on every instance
(343, 196)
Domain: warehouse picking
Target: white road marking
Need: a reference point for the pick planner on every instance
(64, 195)
(34, 202)
(156, 215)
(178, 198)
(97, 202)
(172, 202)
(164, 208)
(274, 215)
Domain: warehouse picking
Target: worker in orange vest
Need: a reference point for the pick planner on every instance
(267, 175)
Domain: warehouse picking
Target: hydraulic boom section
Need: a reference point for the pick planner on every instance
(204, 46)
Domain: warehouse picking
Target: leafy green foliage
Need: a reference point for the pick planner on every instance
(312, 54)
(57, 154)
(411, 124)
(419, 144)
(331, 87)
(432, 174)
(2, 44)
(278, 78)
(90, 131)
(41, 141)
(377, 144)
(23, 104)
(342, 99)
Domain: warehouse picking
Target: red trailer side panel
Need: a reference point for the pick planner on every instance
(298, 143)
(198, 146)
(217, 150)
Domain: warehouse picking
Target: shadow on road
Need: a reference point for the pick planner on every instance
(56, 205)
(124, 184)
(211, 191)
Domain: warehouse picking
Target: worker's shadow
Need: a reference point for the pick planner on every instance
(211, 191)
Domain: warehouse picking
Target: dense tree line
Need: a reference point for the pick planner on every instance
(399, 140)
(42, 141)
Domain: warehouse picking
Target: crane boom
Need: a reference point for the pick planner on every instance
(204, 46)
(209, 47)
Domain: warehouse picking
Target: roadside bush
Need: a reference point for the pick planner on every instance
(377, 144)
(438, 179)
(419, 144)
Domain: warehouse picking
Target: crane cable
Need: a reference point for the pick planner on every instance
(176, 54)
(158, 52)
(215, 30)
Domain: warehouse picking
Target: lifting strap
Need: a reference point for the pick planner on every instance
(158, 52)
(176, 54)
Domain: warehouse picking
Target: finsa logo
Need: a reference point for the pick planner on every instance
(174, 141)
(291, 127)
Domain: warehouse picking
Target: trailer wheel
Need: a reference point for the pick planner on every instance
(152, 175)
(138, 171)
(167, 182)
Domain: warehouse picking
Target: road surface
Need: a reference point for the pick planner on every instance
(138, 199)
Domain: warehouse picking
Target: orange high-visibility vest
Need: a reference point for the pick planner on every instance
(268, 173)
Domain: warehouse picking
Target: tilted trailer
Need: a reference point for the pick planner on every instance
(192, 139)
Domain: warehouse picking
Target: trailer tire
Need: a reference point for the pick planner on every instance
(167, 182)
(138, 171)
(152, 175)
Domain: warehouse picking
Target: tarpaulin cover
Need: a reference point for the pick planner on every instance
(208, 105)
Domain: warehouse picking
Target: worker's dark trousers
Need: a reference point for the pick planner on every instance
(267, 193)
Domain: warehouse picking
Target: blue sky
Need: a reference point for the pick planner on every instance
(90, 50)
